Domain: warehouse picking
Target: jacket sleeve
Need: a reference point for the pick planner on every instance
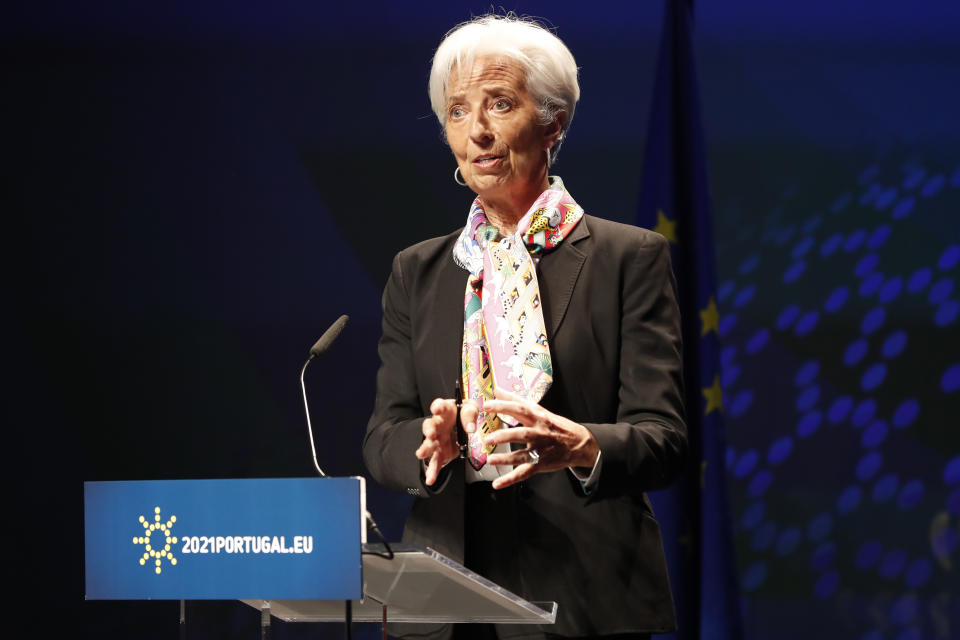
(395, 428)
(646, 448)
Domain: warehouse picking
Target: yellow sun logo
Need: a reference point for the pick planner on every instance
(156, 540)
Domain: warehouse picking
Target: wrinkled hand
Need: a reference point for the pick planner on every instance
(560, 442)
(440, 435)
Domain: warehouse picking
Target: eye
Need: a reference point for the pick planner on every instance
(501, 104)
(456, 112)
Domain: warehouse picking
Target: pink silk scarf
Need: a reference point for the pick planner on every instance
(504, 334)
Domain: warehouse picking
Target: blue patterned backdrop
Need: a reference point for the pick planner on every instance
(836, 189)
(841, 371)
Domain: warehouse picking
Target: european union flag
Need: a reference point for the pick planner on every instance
(675, 201)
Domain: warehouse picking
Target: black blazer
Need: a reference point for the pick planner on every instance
(610, 308)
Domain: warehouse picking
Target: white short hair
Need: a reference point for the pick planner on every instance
(549, 68)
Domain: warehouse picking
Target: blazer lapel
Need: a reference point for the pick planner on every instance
(447, 326)
(558, 274)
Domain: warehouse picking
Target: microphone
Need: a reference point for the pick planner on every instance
(318, 349)
(329, 336)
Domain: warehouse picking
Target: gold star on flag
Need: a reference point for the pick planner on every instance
(714, 396)
(710, 318)
(666, 227)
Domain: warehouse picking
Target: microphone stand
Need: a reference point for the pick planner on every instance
(318, 349)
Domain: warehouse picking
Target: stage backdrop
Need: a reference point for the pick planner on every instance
(194, 192)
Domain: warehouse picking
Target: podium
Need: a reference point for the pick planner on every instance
(292, 548)
(417, 585)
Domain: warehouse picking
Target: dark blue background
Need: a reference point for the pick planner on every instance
(195, 191)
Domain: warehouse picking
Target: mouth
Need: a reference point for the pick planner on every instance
(486, 161)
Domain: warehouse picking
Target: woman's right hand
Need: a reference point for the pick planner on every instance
(439, 444)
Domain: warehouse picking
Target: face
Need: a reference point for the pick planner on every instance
(494, 131)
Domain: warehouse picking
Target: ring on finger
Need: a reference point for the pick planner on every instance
(534, 456)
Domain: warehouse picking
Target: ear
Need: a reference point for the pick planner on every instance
(554, 130)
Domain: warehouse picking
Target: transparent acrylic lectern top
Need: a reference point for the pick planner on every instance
(418, 585)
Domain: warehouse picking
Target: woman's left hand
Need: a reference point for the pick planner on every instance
(556, 441)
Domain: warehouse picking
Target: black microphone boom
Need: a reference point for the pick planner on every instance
(318, 349)
(328, 337)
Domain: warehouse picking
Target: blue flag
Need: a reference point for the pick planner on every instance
(675, 201)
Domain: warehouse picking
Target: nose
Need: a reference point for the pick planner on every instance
(480, 131)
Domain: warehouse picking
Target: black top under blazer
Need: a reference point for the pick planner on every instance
(609, 303)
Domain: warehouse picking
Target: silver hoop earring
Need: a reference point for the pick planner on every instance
(457, 178)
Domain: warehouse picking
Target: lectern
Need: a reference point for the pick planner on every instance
(293, 548)
(418, 584)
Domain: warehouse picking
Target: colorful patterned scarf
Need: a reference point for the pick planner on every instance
(504, 335)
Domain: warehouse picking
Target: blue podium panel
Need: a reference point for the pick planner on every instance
(293, 538)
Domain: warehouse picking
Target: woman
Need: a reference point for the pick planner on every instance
(562, 332)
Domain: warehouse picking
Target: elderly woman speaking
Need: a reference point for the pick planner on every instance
(561, 332)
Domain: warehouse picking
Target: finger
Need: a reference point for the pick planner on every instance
(522, 435)
(512, 458)
(430, 431)
(519, 474)
(426, 449)
(444, 408)
(468, 416)
(525, 412)
(429, 427)
(433, 469)
(431, 440)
